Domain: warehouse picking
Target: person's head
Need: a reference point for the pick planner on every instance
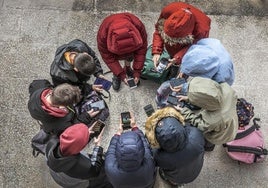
(130, 151)
(170, 134)
(178, 28)
(74, 139)
(84, 64)
(65, 95)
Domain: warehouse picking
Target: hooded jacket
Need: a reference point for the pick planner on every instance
(184, 163)
(76, 166)
(130, 165)
(201, 30)
(51, 124)
(62, 71)
(209, 59)
(217, 118)
(110, 58)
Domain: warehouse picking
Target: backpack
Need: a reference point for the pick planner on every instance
(148, 68)
(39, 142)
(84, 106)
(248, 145)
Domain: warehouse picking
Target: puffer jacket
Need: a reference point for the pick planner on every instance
(184, 165)
(209, 59)
(217, 118)
(201, 30)
(137, 168)
(76, 166)
(111, 59)
(62, 72)
(51, 124)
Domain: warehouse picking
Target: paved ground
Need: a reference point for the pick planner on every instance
(30, 32)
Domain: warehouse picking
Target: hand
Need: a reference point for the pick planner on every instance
(178, 107)
(180, 75)
(136, 80)
(120, 128)
(97, 141)
(183, 98)
(176, 89)
(125, 81)
(155, 59)
(102, 76)
(132, 120)
(93, 113)
(97, 88)
(91, 127)
(171, 62)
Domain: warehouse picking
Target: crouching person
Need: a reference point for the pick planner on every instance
(129, 162)
(178, 148)
(70, 167)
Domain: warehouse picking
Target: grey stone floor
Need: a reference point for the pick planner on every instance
(30, 32)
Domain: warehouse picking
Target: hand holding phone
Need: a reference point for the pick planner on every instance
(126, 120)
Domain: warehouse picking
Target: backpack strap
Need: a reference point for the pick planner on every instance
(245, 133)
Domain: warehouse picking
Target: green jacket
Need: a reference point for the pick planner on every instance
(217, 118)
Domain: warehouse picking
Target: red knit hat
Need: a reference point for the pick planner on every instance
(74, 139)
(179, 24)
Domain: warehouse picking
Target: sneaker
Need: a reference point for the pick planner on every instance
(209, 146)
(116, 83)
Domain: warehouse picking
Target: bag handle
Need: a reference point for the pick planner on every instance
(245, 133)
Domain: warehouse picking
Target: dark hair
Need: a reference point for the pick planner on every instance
(85, 64)
(65, 95)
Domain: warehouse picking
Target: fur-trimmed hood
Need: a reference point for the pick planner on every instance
(155, 118)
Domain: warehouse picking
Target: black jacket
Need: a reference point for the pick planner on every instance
(76, 166)
(62, 72)
(51, 124)
(185, 164)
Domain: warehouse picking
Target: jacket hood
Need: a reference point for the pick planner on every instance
(205, 93)
(153, 120)
(200, 61)
(170, 134)
(130, 151)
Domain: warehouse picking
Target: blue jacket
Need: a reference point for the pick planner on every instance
(184, 165)
(209, 59)
(129, 162)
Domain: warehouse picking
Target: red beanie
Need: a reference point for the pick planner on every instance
(74, 139)
(179, 24)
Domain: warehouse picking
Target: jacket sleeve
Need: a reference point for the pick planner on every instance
(96, 158)
(110, 159)
(139, 55)
(195, 119)
(108, 57)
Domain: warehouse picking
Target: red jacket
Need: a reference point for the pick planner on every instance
(201, 30)
(111, 58)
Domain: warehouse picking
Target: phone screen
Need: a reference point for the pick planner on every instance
(98, 126)
(149, 110)
(173, 100)
(99, 105)
(125, 118)
(106, 84)
(131, 83)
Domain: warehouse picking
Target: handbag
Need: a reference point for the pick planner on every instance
(248, 145)
(148, 71)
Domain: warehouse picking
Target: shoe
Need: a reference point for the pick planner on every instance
(116, 83)
(162, 175)
(209, 146)
(173, 72)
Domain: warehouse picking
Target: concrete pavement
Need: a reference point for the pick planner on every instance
(30, 32)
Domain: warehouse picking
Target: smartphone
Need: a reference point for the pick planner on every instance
(177, 82)
(131, 83)
(98, 126)
(173, 100)
(125, 118)
(149, 110)
(106, 84)
(99, 105)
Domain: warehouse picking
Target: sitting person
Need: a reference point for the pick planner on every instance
(70, 166)
(122, 36)
(217, 118)
(53, 107)
(178, 148)
(74, 63)
(129, 162)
